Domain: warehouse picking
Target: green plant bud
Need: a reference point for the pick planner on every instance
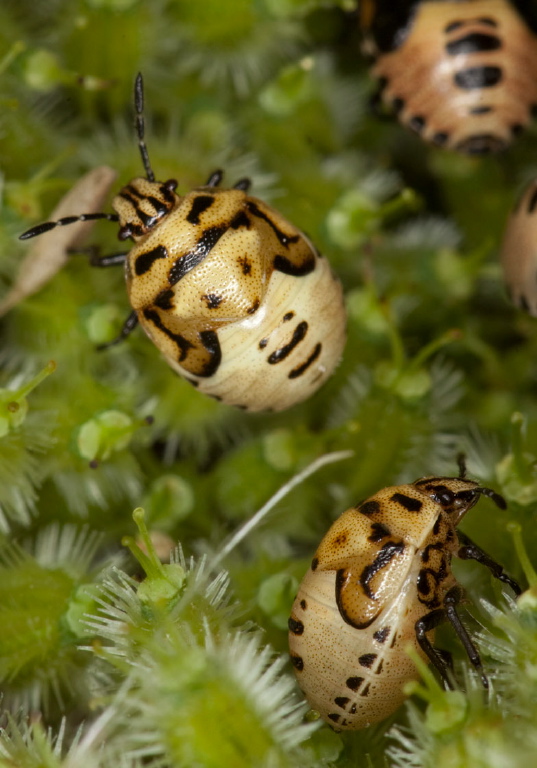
(275, 597)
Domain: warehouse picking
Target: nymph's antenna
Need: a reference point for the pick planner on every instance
(40, 229)
(140, 124)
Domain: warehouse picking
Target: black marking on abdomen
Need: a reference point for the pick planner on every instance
(253, 309)
(203, 247)
(199, 205)
(209, 339)
(367, 660)
(417, 123)
(296, 627)
(365, 692)
(283, 352)
(283, 264)
(303, 605)
(334, 717)
(474, 78)
(410, 504)
(473, 43)
(299, 370)
(164, 299)
(183, 344)
(354, 683)
(341, 701)
(440, 138)
(282, 237)
(480, 110)
(297, 662)
(314, 563)
(368, 507)
(386, 553)
(288, 316)
(145, 261)
(381, 635)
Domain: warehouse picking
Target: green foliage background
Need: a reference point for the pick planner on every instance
(97, 670)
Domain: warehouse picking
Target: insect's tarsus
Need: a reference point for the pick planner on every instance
(140, 125)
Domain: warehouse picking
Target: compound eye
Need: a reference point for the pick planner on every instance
(445, 498)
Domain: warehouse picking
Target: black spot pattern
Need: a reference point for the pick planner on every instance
(378, 532)
(283, 264)
(314, 563)
(473, 43)
(367, 660)
(388, 551)
(341, 701)
(164, 299)
(209, 339)
(212, 300)
(183, 344)
(253, 309)
(200, 204)
(203, 247)
(410, 504)
(369, 507)
(282, 237)
(296, 627)
(297, 662)
(475, 78)
(417, 123)
(299, 370)
(354, 683)
(145, 261)
(280, 354)
(240, 220)
(246, 267)
(381, 635)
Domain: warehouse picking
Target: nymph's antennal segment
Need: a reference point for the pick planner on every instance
(46, 226)
(140, 124)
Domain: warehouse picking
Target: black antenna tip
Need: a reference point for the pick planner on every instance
(39, 229)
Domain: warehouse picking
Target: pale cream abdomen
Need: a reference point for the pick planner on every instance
(352, 677)
(285, 351)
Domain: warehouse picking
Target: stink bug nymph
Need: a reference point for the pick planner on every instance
(519, 251)
(237, 299)
(380, 580)
(461, 73)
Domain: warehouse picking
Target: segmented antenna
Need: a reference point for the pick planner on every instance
(46, 226)
(140, 124)
(496, 498)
